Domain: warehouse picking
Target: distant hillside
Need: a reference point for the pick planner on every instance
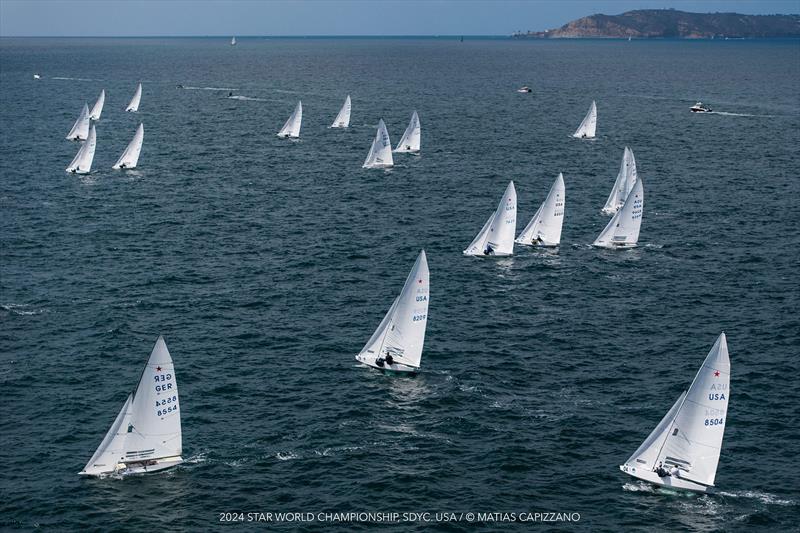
(666, 23)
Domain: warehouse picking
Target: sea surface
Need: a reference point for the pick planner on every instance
(267, 264)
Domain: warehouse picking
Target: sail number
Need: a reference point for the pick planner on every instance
(417, 318)
(167, 405)
(714, 421)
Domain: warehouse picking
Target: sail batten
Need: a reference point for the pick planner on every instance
(410, 142)
(544, 228)
(497, 235)
(133, 106)
(380, 152)
(342, 120)
(588, 126)
(292, 126)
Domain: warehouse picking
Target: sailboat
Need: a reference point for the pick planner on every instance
(544, 229)
(624, 183)
(82, 163)
(587, 128)
(146, 435)
(133, 107)
(380, 153)
(97, 109)
(411, 137)
(342, 120)
(497, 235)
(688, 439)
(622, 230)
(130, 157)
(396, 346)
(292, 126)
(233, 41)
(80, 130)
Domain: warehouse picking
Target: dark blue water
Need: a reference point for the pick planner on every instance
(268, 263)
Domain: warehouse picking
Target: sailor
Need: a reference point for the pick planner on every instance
(538, 240)
(230, 94)
(389, 359)
(674, 471)
(489, 250)
(379, 361)
(661, 471)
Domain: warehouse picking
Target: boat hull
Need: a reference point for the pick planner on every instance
(394, 368)
(142, 467)
(539, 245)
(668, 482)
(612, 246)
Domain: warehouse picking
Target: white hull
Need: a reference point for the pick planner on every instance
(538, 244)
(490, 255)
(613, 246)
(668, 482)
(397, 368)
(142, 467)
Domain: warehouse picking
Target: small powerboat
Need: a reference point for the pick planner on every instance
(37, 77)
(700, 108)
(524, 89)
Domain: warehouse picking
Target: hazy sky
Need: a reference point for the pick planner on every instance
(328, 17)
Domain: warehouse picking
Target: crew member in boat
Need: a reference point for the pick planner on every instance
(675, 471)
(489, 250)
(661, 471)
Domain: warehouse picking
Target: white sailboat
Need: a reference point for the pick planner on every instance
(682, 452)
(497, 235)
(622, 230)
(626, 178)
(396, 346)
(410, 142)
(97, 109)
(587, 128)
(544, 229)
(80, 130)
(130, 157)
(233, 41)
(146, 435)
(292, 126)
(342, 120)
(82, 163)
(133, 107)
(380, 153)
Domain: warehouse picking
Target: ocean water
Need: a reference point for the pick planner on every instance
(267, 264)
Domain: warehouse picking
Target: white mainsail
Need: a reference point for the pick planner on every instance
(146, 435)
(82, 163)
(401, 333)
(342, 120)
(233, 41)
(622, 231)
(137, 97)
(626, 178)
(690, 436)
(130, 157)
(80, 130)
(292, 126)
(587, 128)
(380, 153)
(544, 229)
(97, 109)
(497, 235)
(410, 142)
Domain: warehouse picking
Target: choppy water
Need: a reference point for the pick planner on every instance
(268, 263)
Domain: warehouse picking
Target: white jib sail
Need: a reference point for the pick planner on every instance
(497, 235)
(626, 178)
(587, 128)
(342, 120)
(401, 333)
(690, 436)
(544, 229)
(623, 229)
(97, 109)
(137, 97)
(292, 126)
(380, 153)
(410, 142)
(82, 163)
(80, 130)
(149, 425)
(130, 157)
(233, 41)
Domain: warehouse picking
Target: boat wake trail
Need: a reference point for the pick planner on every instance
(190, 88)
(73, 79)
(736, 114)
(21, 309)
(763, 497)
(247, 98)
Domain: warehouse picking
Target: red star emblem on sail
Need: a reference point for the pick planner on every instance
(158, 369)
(716, 373)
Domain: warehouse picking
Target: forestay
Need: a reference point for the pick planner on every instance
(544, 229)
(497, 235)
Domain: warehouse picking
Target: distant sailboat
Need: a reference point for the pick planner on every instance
(626, 178)
(130, 157)
(622, 230)
(133, 107)
(342, 120)
(396, 346)
(544, 229)
(82, 163)
(233, 41)
(146, 435)
(587, 128)
(97, 110)
(80, 130)
(380, 153)
(292, 126)
(688, 440)
(37, 77)
(497, 235)
(410, 142)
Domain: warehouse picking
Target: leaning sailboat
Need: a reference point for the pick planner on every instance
(544, 229)
(133, 107)
(82, 163)
(80, 130)
(130, 157)
(342, 120)
(292, 126)
(622, 231)
(97, 109)
(233, 41)
(380, 153)
(410, 142)
(682, 452)
(396, 346)
(626, 178)
(587, 128)
(497, 235)
(146, 435)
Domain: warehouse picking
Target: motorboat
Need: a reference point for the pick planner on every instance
(700, 108)
(524, 89)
